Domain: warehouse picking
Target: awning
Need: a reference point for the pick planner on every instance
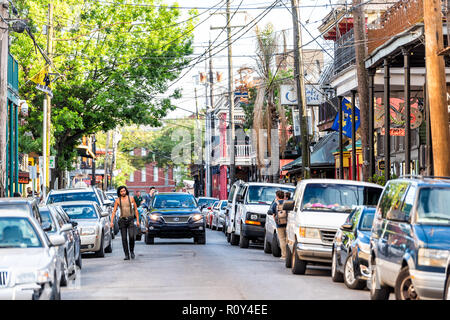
(322, 155)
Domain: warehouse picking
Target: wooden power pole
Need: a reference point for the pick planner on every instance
(436, 84)
(4, 44)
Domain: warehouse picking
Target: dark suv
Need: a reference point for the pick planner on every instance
(175, 215)
(410, 239)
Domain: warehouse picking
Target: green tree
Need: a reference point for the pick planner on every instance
(114, 60)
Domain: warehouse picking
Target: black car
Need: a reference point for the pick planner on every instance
(175, 215)
(350, 259)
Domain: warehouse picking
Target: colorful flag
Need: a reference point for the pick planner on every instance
(347, 119)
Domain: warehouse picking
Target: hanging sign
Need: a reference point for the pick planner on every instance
(42, 79)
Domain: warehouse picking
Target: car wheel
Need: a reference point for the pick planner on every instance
(381, 293)
(298, 265)
(148, 239)
(228, 237)
(404, 287)
(243, 241)
(350, 279)
(200, 240)
(336, 275)
(234, 239)
(267, 246)
(64, 272)
(101, 252)
(79, 260)
(138, 237)
(109, 248)
(56, 290)
(288, 260)
(276, 251)
(447, 288)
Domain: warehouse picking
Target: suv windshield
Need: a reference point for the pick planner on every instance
(434, 204)
(206, 201)
(18, 233)
(338, 197)
(80, 211)
(174, 201)
(68, 197)
(265, 194)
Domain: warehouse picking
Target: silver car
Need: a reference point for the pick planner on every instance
(218, 220)
(30, 266)
(67, 252)
(94, 226)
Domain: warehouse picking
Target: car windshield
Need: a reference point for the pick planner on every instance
(174, 201)
(366, 220)
(434, 204)
(18, 233)
(80, 211)
(205, 201)
(46, 218)
(69, 197)
(264, 194)
(338, 197)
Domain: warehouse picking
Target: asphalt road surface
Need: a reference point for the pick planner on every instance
(177, 269)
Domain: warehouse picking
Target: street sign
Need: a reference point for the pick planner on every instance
(52, 162)
(33, 172)
(313, 96)
(51, 165)
(381, 165)
(24, 177)
(296, 121)
(288, 95)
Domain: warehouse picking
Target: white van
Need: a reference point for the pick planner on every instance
(319, 208)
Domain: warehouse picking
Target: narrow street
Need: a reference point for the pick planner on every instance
(178, 270)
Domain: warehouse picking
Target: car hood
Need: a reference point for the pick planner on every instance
(257, 208)
(27, 258)
(176, 211)
(83, 223)
(322, 219)
(434, 236)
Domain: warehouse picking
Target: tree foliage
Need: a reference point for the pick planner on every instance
(114, 61)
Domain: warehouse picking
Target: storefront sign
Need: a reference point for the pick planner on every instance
(398, 132)
(24, 177)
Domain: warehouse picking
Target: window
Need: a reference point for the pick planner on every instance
(174, 201)
(155, 174)
(433, 205)
(66, 197)
(143, 175)
(264, 194)
(131, 177)
(80, 212)
(392, 197)
(143, 152)
(18, 233)
(47, 218)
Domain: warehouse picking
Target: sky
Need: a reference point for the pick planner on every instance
(311, 14)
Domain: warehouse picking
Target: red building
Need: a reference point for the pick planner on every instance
(151, 176)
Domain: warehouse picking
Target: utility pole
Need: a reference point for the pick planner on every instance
(4, 44)
(231, 99)
(211, 91)
(359, 27)
(301, 94)
(207, 138)
(436, 85)
(105, 175)
(94, 150)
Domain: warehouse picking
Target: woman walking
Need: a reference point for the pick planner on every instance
(127, 206)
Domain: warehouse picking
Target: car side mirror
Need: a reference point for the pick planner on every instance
(108, 203)
(104, 213)
(66, 227)
(239, 198)
(397, 215)
(74, 223)
(347, 227)
(288, 205)
(47, 226)
(56, 240)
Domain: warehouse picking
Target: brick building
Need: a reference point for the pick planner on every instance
(151, 176)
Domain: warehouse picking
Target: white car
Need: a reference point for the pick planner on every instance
(319, 208)
(94, 226)
(253, 201)
(218, 220)
(30, 267)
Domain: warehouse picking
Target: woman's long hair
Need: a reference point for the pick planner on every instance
(120, 188)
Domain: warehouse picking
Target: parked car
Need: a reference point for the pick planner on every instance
(319, 208)
(66, 252)
(175, 215)
(94, 225)
(253, 201)
(143, 213)
(210, 214)
(447, 281)
(84, 194)
(218, 220)
(205, 203)
(271, 241)
(30, 266)
(410, 239)
(231, 208)
(350, 260)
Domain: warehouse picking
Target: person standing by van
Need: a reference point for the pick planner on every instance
(280, 217)
(128, 208)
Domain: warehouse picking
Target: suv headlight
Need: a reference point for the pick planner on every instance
(197, 217)
(310, 233)
(25, 277)
(433, 257)
(155, 217)
(87, 231)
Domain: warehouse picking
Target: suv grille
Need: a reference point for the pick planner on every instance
(3, 278)
(327, 236)
(176, 219)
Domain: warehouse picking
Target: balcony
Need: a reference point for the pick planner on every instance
(243, 156)
(397, 19)
(344, 52)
